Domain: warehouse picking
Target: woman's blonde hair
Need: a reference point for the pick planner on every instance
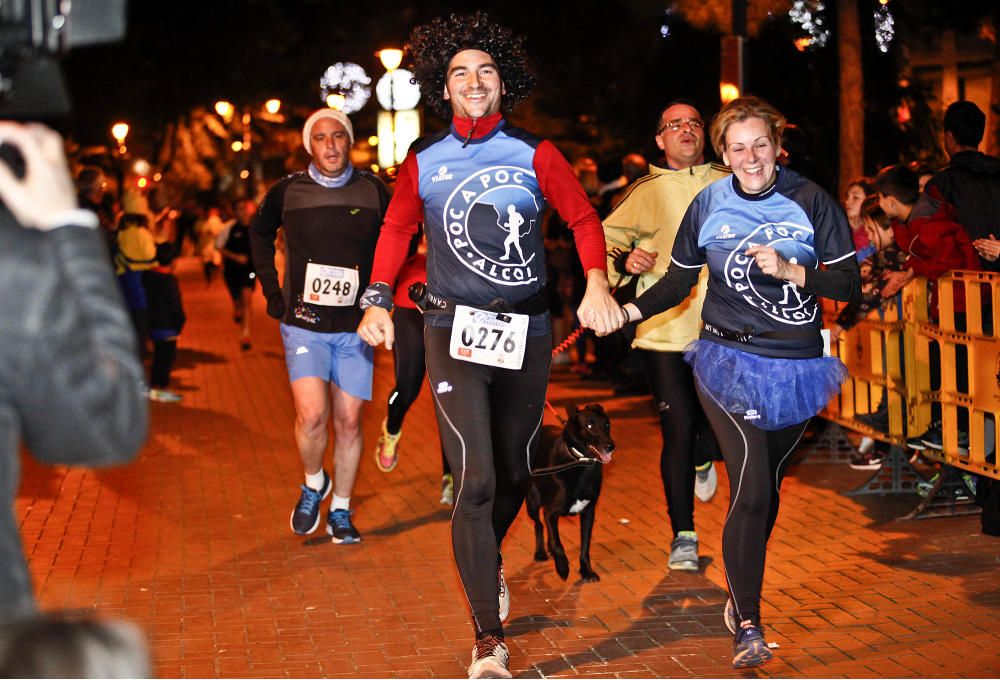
(741, 109)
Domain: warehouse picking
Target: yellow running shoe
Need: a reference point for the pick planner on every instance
(386, 456)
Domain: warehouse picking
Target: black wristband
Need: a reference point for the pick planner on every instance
(377, 295)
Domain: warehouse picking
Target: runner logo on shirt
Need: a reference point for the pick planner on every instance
(488, 219)
(781, 300)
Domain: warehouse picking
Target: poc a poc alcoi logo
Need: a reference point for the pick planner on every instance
(491, 221)
(442, 175)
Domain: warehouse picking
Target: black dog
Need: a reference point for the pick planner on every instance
(569, 463)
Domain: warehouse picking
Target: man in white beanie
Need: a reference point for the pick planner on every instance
(331, 213)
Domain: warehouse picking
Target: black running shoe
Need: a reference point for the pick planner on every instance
(339, 526)
(749, 647)
(305, 516)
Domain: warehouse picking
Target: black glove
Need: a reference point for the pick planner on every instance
(276, 306)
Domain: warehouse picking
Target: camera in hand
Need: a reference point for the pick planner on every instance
(32, 36)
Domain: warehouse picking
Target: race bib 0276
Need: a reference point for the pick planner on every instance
(489, 338)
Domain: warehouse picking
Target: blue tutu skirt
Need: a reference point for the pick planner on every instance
(783, 392)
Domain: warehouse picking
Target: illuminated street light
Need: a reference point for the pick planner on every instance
(272, 106)
(237, 145)
(335, 100)
(224, 109)
(728, 92)
(120, 131)
(391, 58)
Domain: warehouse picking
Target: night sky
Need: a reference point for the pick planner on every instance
(604, 68)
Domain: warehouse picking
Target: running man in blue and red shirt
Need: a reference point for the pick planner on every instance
(480, 188)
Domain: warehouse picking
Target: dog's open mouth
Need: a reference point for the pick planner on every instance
(598, 453)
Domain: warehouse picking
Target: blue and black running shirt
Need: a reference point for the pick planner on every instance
(795, 217)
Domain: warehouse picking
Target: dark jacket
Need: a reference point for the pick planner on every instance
(971, 183)
(70, 377)
(936, 244)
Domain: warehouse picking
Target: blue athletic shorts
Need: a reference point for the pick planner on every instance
(341, 358)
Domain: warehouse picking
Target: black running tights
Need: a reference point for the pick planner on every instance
(688, 439)
(408, 355)
(490, 421)
(756, 461)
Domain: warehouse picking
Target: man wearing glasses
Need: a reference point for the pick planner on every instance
(638, 231)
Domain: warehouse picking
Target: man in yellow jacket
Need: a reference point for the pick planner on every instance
(640, 235)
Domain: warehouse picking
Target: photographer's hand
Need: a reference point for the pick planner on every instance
(44, 199)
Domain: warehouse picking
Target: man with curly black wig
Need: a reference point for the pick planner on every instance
(480, 188)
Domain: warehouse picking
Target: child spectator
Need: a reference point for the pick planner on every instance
(885, 258)
(166, 319)
(928, 232)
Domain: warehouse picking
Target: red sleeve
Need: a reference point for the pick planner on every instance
(564, 193)
(939, 246)
(406, 210)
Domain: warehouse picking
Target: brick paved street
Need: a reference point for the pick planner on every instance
(192, 542)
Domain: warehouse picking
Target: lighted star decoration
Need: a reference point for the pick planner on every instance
(351, 81)
(808, 15)
(885, 26)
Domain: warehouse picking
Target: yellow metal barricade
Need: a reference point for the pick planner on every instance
(894, 353)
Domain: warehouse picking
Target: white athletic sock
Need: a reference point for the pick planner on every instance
(315, 482)
(340, 503)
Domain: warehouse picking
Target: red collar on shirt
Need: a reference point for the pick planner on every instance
(484, 125)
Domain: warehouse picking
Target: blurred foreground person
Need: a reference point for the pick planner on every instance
(47, 647)
(70, 377)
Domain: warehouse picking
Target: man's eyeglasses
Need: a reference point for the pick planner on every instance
(677, 123)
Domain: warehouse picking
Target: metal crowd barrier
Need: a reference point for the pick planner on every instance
(891, 353)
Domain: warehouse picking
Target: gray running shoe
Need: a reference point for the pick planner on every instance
(684, 552)
(706, 481)
(490, 659)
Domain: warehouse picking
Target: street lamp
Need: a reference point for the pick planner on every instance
(391, 58)
(336, 100)
(120, 131)
(225, 109)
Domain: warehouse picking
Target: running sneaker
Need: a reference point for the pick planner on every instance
(684, 552)
(305, 516)
(867, 461)
(934, 439)
(729, 615)
(338, 525)
(504, 594)
(933, 433)
(164, 396)
(490, 658)
(447, 490)
(877, 420)
(749, 647)
(706, 481)
(386, 456)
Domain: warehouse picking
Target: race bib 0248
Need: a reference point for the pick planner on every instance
(489, 338)
(330, 286)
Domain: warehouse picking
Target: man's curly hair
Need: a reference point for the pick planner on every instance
(433, 44)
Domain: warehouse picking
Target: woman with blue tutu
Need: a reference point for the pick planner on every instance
(774, 242)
